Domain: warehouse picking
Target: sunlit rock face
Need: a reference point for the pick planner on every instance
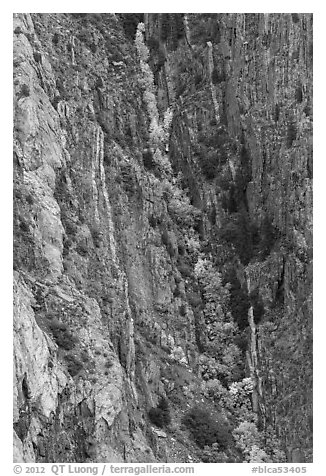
(110, 315)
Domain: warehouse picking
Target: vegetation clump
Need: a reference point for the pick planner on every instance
(172, 28)
(130, 22)
(295, 18)
(160, 416)
(291, 134)
(239, 300)
(97, 237)
(159, 127)
(299, 94)
(213, 150)
(148, 159)
(82, 249)
(74, 365)
(222, 357)
(218, 76)
(55, 39)
(37, 57)
(25, 91)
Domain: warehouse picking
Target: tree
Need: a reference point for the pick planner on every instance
(160, 415)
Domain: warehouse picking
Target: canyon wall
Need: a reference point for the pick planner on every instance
(109, 313)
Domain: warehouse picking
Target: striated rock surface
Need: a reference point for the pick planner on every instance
(112, 312)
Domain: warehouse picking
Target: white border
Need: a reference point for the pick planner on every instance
(319, 212)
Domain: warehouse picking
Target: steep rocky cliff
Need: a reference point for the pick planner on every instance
(162, 237)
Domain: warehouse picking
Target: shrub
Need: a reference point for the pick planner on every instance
(55, 323)
(179, 206)
(25, 91)
(67, 243)
(74, 365)
(217, 77)
(79, 15)
(160, 415)
(181, 249)
(37, 57)
(220, 328)
(18, 30)
(24, 226)
(205, 430)
(291, 134)
(153, 221)
(246, 173)
(240, 394)
(18, 193)
(238, 231)
(213, 151)
(97, 237)
(230, 200)
(210, 164)
(268, 236)
(62, 336)
(176, 398)
(55, 39)
(169, 240)
(85, 356)
(172, 28)
(128, 179)
(249, 441)
(194, 299)
(277, 112)
(214, 390)
(158, 131)
(148, 159)
(82, 249)
(177, 292)
(258, 306)
(93, 47)
(239, 301)
(99, 83)
(130, 22)
(295, 55)
(212, 454)
(224, 180)
(164, 26)
(182, 310)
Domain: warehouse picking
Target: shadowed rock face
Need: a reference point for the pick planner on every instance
(109, 315)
